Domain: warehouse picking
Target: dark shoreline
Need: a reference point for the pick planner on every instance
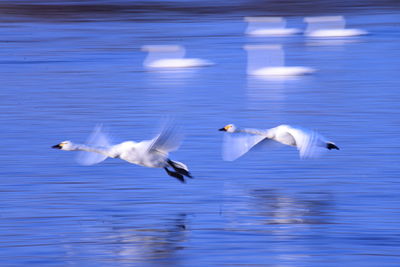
(60, 10)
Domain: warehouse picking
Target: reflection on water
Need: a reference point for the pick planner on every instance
(306, 208)
(274, 206)
(176, 77)
(333, 42)
(149, 244)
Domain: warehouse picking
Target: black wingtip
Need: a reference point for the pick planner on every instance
(331, 146)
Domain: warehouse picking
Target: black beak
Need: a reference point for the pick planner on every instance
(57, 146)
(222, 130)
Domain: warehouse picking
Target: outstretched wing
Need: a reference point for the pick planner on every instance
(309, 143)
(168, 140)
(97, 139)
(236, 145)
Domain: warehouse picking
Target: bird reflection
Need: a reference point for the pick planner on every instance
(147, 244)
(274, 207)
(171, 78)
(306, 208)
(331, 42)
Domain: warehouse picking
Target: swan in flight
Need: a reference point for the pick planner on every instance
(330, 26)
(269, 61)
(309, 143)
(170, 57)
(268, 26)
(149, 153)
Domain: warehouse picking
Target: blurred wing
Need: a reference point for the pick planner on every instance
(168, 140)
(236, 145)
(309, 143)
(96, 139)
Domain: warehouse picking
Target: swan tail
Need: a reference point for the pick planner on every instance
(180, 168)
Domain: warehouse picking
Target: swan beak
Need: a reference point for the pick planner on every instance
(222, 129)
(57, 146)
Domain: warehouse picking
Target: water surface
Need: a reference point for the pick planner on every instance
(60, 77)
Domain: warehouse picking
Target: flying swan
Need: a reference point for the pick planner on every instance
(309, 143)
(149, 153)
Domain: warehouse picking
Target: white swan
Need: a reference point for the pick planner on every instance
(309, 143)
(170, 57)
(268, 26)
(269, 61)
(330, 26)
(149, 153)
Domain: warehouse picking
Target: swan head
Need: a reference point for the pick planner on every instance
(65, 145)
(230, 128)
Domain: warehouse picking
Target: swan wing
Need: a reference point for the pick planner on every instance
(97, 139)
(309, 143)
(236, 145)
(168, 140)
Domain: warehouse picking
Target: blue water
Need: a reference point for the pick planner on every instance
(59, 78)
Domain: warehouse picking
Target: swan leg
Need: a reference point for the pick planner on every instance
(331, 146)
(175, 175)
(178, 169)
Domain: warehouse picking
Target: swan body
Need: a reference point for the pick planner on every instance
(274, 32)
(173, 63)
(269, 61)
(268, 26)
(170, 57)
(337, 33)
(283, 71)
(330, 26)
(309, 143)
(149, 153)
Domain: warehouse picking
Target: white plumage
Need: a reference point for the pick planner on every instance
(330, 26)
(149, 153)
(268, 26)
(170, 57)
(239, 141)
(269, 61)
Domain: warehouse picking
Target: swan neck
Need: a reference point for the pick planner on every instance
(251, 131)
(86, 148)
